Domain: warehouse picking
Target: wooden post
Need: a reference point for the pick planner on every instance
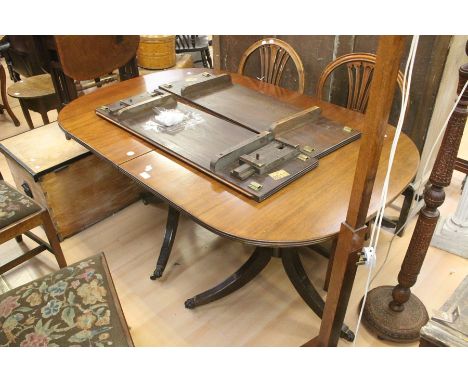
(351, 236)
(394, 313)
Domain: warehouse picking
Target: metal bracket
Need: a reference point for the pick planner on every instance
(257, 155)
(138, 102)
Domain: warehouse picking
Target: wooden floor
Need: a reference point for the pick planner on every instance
(266, 312)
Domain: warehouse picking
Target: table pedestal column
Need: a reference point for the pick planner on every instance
(452, 233)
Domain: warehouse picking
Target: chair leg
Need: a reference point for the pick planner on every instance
(208, 58)
(405, 208)
(27, 116)
(45, 118)
(5, 105)
(203, 58)
(19, 239)
(53, 239)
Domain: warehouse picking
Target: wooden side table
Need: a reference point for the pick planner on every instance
(75, 186)
(35, 93)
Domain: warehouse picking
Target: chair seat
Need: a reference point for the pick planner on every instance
(14, 205)
(32, 87)
(76, 306)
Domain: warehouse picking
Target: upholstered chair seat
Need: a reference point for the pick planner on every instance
(75, 306)
(14, 205)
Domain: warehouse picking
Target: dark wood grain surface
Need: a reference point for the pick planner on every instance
(307, 211)
(241, 104)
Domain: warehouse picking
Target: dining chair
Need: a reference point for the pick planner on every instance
(109, 53)
(18, 215)
(77, 59)
(23, 56)
(274, 55)
(360, 69)
(193, 44)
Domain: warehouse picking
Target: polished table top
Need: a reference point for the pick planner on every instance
(307, 211)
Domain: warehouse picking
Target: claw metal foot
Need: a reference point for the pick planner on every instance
(158, 272)
(190, 303)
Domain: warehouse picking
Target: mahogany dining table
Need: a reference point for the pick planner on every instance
(308, 211)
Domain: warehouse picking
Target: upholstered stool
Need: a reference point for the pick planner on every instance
(75, 306)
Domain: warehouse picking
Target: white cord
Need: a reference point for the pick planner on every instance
(371, 249)
(405, 98)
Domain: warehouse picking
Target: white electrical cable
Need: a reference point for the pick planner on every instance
(405, 98)
(414, 210)
(383, 199)
(377, 218)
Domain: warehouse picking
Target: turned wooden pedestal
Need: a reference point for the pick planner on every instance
(394, 313)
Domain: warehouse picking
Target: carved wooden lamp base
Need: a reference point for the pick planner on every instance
(387, 324)
(393, 312)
